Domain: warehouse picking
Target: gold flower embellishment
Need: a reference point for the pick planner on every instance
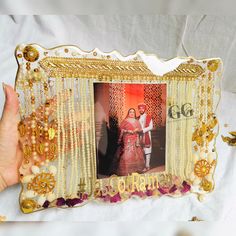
(40, 185)
(203, 169)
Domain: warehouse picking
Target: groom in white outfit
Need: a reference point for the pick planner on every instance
(147, 125)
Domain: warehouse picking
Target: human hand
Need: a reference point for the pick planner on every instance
(137, 130)
(11, 154)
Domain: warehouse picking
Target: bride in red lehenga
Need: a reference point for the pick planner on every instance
(130, 153)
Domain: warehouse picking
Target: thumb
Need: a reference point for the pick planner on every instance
(11, 107)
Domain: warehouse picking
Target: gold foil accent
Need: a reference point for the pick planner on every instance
(51, 133)
(206, 185)
(231, 141)
(21, 129)
(28, 205)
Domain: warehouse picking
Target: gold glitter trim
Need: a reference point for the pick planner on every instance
(61, 67)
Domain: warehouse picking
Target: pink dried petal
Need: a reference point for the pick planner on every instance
(163, 190)
(149, 192)
(115, 198)
(173, 189)
(186, 187)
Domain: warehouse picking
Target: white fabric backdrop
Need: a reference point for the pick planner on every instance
(166, 36)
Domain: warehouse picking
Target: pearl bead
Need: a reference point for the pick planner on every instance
(27, 179)
(192, 176)
(41, 200)
(51, 197)
(53, 169)
(201, 197)
(210, 157)
(195, 157)
(35, 169)
(196, 181)
(30, 194)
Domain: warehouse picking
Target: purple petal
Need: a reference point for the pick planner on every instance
(73, 202)
(149, 192)
(138, 193)
(106, 198)
(46, 204)
(115, 198)
(162, 190)
(69, 202)
(61, 202)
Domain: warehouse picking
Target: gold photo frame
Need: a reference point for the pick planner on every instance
(69, 98)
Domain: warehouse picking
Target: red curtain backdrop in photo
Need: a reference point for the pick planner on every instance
(115, 99)
(154, 95)
(134, 94)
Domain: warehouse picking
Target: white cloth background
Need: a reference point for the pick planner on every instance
(166, 36)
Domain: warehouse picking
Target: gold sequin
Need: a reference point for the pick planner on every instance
(213, 65)
(230, 140)
(30, 53)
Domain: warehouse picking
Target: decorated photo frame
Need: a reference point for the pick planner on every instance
(106, 127)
